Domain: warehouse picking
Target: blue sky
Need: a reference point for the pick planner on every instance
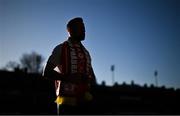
(137, 36)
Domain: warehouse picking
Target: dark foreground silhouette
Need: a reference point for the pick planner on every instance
(23, 93)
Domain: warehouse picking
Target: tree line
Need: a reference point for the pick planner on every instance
(29, 62)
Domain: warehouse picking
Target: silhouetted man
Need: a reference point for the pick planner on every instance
(70, 67)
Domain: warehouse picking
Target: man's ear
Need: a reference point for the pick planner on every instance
(68, 29)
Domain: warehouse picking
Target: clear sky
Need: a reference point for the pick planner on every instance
(137, 36)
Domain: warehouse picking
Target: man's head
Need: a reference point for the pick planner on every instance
(76, 29)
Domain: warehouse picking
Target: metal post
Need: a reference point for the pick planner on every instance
(57, 109)
(156, 79)
(112, 69)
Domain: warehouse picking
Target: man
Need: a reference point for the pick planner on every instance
(70, 67)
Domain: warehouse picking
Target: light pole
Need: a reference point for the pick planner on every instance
(156, 74)
(112, 69)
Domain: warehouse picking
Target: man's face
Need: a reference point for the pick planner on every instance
(78, 31)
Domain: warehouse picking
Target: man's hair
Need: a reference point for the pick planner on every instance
(72, 23)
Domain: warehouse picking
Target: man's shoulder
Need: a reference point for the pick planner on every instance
(57, 47)
(60, 45)
(84, 48)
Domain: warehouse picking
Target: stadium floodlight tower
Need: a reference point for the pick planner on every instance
(112, 70)
(156, 79)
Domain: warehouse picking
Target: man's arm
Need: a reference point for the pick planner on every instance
(93, 80)
(53, 61)
(49, 73)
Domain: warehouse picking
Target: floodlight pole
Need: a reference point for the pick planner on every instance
(156, 79)
(112, 69)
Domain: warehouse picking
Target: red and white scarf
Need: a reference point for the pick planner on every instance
(75, 59)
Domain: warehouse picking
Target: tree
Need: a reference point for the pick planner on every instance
(11, 65)
(32, 62)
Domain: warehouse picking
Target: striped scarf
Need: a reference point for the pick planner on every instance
(76, 63)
